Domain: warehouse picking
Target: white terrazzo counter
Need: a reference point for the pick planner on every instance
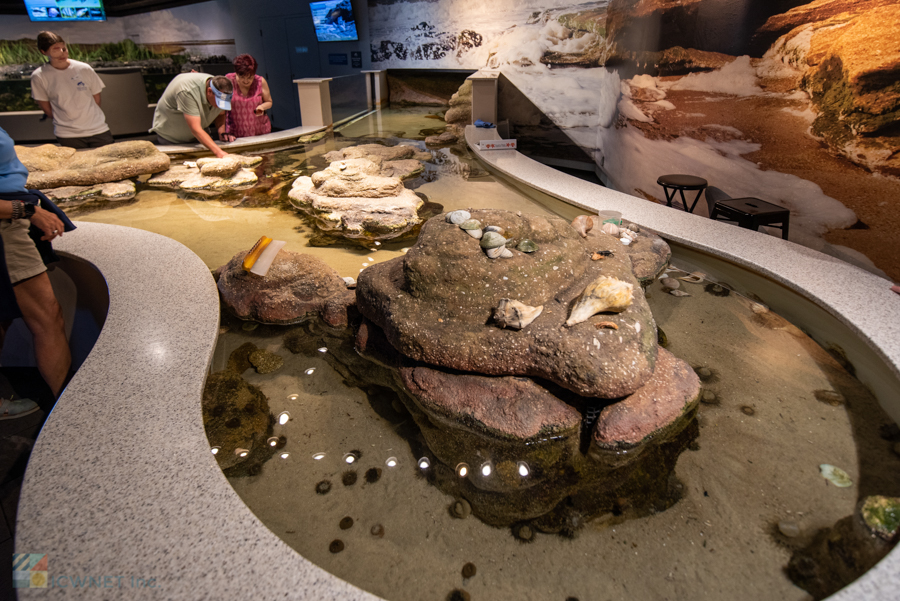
(121, 482)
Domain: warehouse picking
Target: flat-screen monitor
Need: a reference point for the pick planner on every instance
(65, 10)
(334, 21)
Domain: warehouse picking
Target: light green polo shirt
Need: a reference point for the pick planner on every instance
(185, 95)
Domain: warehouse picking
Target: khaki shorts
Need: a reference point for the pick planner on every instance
(23, 260)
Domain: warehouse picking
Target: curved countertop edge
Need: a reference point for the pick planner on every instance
(859, 299)
(121, 481)
(248, 143)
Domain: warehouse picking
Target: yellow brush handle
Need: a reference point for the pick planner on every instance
(254, 253)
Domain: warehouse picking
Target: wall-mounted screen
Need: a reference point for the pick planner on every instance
(65, 10)
(334, 21)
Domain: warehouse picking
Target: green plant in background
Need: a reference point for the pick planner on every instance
(23, 52)
(19, 52)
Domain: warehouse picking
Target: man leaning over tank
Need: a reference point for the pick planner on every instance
(191, 103)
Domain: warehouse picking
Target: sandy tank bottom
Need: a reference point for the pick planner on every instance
(762, 439)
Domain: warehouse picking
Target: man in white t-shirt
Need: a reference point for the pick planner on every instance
(68, 91)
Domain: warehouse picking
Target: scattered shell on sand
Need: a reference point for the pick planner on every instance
(461, 509)
(759, 309)
(788, 528)
(606, 324)
(670, 283)
(678, 293)
(835, 475)
(603, 294)
(694, 278)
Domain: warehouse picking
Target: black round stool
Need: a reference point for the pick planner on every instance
(674, 182)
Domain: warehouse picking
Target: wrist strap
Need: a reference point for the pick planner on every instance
(18, 209)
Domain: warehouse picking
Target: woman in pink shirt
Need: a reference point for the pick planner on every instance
(250, 101)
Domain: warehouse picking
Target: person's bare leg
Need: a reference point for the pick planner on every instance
(43, 316)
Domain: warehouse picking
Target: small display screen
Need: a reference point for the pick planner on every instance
(334, 21)
(65, 10)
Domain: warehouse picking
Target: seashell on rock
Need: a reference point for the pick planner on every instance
(513, 314)
(472, 227)
(610, 228)
(603, 294)
(633, 227)
(678, 293)
(628, 234)
(457, 217)
(835, 475)
(527, 246)
(492, 240)
(583, 224)
(625, 241)
(494, 228)
(497, 252)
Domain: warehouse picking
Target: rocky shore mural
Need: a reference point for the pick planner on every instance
(791, 102)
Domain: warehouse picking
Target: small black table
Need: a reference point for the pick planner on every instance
(750, 213)
(674, 182)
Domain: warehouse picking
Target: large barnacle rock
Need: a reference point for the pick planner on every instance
(433, 305)
(353, 200)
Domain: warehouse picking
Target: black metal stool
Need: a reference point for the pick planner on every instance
(674, 182)
(750, 213)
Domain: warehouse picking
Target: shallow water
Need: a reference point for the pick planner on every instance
(217, 229)
(756, 461)
(756, 464)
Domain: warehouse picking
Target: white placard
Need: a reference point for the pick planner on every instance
(497, 145)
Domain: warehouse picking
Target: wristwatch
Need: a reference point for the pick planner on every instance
(28, 210)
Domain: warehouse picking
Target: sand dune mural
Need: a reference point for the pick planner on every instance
(801, 111)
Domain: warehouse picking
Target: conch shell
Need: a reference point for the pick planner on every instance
(513, 314)
(583, 224)
(603, 294)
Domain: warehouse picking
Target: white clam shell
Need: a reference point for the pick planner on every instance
(474, 233)
(506, 253)
(457, 217)
(495, 253)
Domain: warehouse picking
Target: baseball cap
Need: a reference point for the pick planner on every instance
(223, 100)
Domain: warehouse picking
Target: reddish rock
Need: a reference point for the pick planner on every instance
(814, 12)
(651, 25)
(435, 305)
(672, 391)
(507, 407)
(297, 287)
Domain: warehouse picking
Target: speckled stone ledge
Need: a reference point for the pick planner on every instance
(862, 301)
(121, 482)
